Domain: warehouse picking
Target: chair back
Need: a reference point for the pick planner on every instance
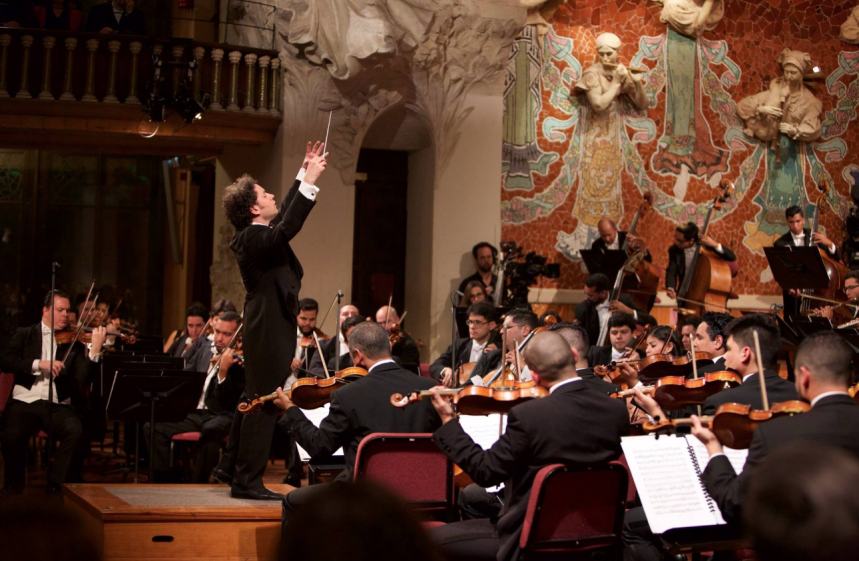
(575, 509)
(410, 465)
(7, 382)
(425, 370)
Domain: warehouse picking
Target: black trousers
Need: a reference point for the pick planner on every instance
(249, 447)
(302, 496)
(21, 421)
(467, 540)
(477, 502)
(212, 428)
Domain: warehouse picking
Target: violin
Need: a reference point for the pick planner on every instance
(307, 340)
(477, 400)
(308, 393)
(463, 373)
(614, 372)
(504, 377)
(853, 391)
(85, 336)
(676, 392)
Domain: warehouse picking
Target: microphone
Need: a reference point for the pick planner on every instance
(458, 293)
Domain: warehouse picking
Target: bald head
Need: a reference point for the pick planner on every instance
(607, 230)
(549, 356)
(389, 313)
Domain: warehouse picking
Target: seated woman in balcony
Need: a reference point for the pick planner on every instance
(60, 15)
(116, 16)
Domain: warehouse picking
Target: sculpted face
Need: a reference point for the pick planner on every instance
(607, 54)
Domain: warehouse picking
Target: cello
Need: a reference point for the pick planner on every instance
(834, 269)
(642, 283)
(707, 283)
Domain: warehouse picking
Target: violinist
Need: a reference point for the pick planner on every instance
(406, 349)
(577, 338)
(485, 256)
(206, 339)
(328, 345)
(687, 332)
(28, 358)
(710, 338)
(357, 409)
(518, 323)
(195, 320)
(851, 289)
(621, 331)
(613, 239)
(224, 385)
(662, 340)
(305, 346)
(346, 329)
(823, 372)
(596, 308)
(682, 253)
(481, 326)
(538, 433)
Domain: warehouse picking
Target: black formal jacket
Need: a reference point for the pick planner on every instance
(834, 420)
(595, 382)
(327, 347)
(717, 366)
(221, 398)
(599, 245)
(272, 275)
(791, 304)
(488, 362)
(463, 355)
(587, 315)
(749, 393)
(575, 425)
(676, 271)
(408, 352)
(101, 16)
(601, 355)
(362, 408)
(26, 346)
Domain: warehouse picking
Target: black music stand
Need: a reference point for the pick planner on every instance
(607, 262)
(797, 267)
(139, 395)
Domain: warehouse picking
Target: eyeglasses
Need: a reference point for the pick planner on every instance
(851, 287)
(475, 323)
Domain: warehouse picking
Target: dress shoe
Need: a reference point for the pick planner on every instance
(293, 479)
(255, 494)
(221, 476)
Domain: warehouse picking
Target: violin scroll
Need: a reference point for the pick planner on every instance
(249, 406)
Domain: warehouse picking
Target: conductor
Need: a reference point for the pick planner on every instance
(271, 274)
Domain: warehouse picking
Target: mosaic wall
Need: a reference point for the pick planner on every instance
(565, 165)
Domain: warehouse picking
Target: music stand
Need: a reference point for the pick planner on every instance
(138, 395)
(607, 262)
(797, 267)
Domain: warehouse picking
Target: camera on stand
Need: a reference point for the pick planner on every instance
(521, 270)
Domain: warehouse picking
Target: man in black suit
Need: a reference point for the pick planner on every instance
(406, 349)
(195, 321)
(116, 16)
(271, 274)
(710, 338)
(328, 346)
(517, 325)
(680, 255)
(740, 357)
(485, 256)
(215, 408)
(532, 440)
(358, 409)
(597, 308)
(308, 314)
(621, 331)
(481, 326)
(798, 236)
(613, 239)
(28, 358)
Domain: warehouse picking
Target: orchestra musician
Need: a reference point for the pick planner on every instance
(710, 338)
(613, 239)
(485, 256)
(213, 416)
(798, 236)
(621, 331)
(681, 254)
(851, 289)
(406, 349)
(206, 339)
(474, 292)
(308, 312)
(271, 274)
(481, 326)
(195, 320)
(530, 441)
(823, 373)
(577, 338)
(518, 323)
(328, 345)
(596, 308)
(358, 409)
(28, 358)
(345, 359)
(690, 325)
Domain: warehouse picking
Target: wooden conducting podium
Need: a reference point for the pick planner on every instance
(176, 522)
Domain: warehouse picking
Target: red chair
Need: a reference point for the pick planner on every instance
(631, 491)
(410, 465)
(189, 437)
(7, 382)
(575, 510)
(425, 371)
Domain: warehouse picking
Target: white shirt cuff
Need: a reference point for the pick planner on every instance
(36, 371)
(832, 248)
(635, 315)
(719, 249)
(301, 172)
(219, 379)
(308, 190)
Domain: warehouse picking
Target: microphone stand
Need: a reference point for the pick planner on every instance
(54, 267)
(455, 298)
(337, 335)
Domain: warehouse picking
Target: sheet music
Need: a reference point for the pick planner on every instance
(315, 416)
(484, 430)
(736, 457)
(670, 488)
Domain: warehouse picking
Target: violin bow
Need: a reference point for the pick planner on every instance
(215, 367)
(88, 294)
(331, 307)
(321, 356)
(81, 325)
(638, 343)
(665, 342)
(694, 364)
(764, 398)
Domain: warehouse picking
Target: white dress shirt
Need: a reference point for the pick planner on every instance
(603, 313)
(476, 351)
(615, 244)
(564, 383)
(616, 354)
(826, 394)
(381, 362)
(201, 404)
(798, 240)
(39, 389)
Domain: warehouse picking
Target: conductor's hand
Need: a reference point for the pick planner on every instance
(282, 400)
(706, 436)
(53, 366)
(441, 403)
(312, 150)
(315, 167)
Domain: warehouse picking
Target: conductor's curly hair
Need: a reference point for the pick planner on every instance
(238, 200)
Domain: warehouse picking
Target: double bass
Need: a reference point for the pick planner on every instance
(643, 281)
(707, 283)
(834, 269)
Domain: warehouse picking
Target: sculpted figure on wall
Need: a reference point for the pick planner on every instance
(540, 12)
(691, 17)
(850, 28)
(607, 80)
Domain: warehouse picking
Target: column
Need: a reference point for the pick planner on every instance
(235, 57)
(24, 92)
(71, 44)
(263, 84)
(132, 98)
(5, 41)
(250, 62)
(275, 90)
(48, 43)
(113, 49)
(89, 94)
(199, 53)
(217, 57)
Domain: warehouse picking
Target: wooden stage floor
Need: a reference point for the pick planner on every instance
(177, 522)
